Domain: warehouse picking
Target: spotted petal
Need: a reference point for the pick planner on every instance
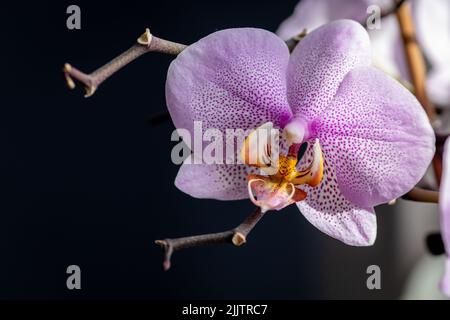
(377, 136)
(444, 204)
(329, 211)
(319, 63)
(230, 79)
(214, 181)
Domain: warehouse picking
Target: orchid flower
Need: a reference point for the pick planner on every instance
(432, 21)
(444, 204)
(369, 140)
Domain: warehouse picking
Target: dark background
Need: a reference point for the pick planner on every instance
(90, 182)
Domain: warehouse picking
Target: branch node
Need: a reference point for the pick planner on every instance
(71, 73)
(90, 90)
(236, 236)
(145, 43)
(69, 81)
(146, 38)
(238, 239)
(168, 250)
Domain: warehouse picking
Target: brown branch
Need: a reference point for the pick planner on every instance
(145, 43)
(417, 71)
(236, 236)
(422, 195)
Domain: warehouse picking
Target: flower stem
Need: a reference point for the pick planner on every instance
(236, 236)
(417, 71)
(145, 43)
(422, 195)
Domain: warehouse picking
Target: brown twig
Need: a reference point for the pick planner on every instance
(422, 195)
(417, 71)
(236, 236)
(145, 43)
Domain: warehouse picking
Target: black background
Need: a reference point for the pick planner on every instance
(90, 182)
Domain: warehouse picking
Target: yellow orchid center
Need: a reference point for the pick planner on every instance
(277, 187)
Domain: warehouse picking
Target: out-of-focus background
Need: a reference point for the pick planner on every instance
(89, 182)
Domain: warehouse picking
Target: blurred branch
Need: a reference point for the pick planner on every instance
(145, 43)
(422, 195)
(417, 71)
(292, 42)
(236, 236)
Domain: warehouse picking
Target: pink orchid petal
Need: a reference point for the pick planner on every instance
(214, 181)
(233, 78)
(230, 79)
(387, 46)
(319, 63)
(377, 136)
(432, 27)
(444, 205)
(328, 210)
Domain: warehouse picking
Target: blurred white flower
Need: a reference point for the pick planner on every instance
(432, 20)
